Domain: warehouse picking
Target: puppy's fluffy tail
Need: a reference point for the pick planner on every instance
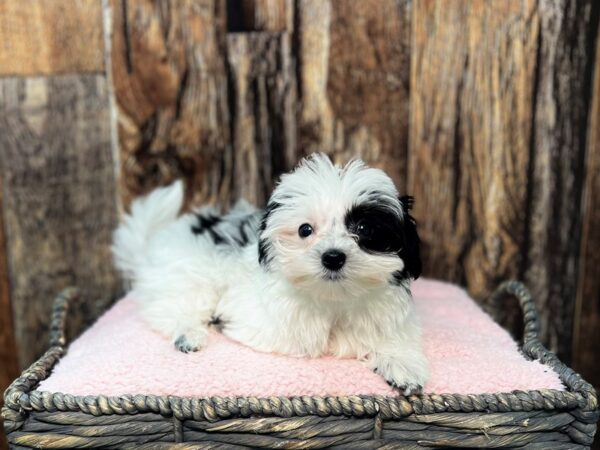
(148, 215)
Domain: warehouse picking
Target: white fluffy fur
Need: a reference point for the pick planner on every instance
(184, 280)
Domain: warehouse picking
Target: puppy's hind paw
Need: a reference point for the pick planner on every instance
(187, 343)
(407, 389)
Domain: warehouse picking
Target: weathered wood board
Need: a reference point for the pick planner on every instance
(9, 365)
(354, 71)
(565, 58)
(50, 37)
(59, 199)
(263, 92)
(586, 339)
(168, 69)
(499, 102)
(260, 15)
(472, 94)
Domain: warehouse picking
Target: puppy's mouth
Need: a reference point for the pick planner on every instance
(331, 275)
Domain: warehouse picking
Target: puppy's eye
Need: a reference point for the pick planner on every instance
(305, 230)
(364, 230)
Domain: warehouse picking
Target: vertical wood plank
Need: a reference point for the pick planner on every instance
(586, 339)
(263, 93)
(368, 82)
(473, 72)
(315, 118)
(59, 199)
(354, 70)
(9, 367)
(168, 67)
(260, 15)
(499, 97)
(565, 62)
(50, 37)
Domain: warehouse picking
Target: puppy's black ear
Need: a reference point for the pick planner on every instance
(407, 202)
(264, 245)
(410, 252)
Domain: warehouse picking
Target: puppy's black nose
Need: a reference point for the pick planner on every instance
(333, 259)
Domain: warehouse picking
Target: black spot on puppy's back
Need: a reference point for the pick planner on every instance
(206, 224)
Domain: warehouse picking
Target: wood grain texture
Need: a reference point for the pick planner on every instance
(368, 82)
(315, 118)
(59, 36)
(263, 99)
(354, 69)
(59, 199)
(472, 94)
(260, 15)
(498, 112)
(9, 366)
(168, 67)
(564, 77)
(586, 339)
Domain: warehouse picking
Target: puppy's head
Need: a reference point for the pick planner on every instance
(339, 231)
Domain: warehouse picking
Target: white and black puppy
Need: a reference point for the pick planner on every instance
(325, 269)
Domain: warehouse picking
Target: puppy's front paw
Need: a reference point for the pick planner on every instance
(408, 375)
(407, 389)
(405, 386)
(190, 342)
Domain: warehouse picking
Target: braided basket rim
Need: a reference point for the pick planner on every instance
(21, 396)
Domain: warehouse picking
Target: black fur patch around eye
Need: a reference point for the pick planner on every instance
(386, 228)
(264, 245)
(389, 233)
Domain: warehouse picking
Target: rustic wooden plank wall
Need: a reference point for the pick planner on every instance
(567, 42)
(355, 90)
(472, 95)
(485, 111)
(499, 101)
(263, 85)
(260, 15)
(587, 308)
(59, 200)
(56, 170)
(168, 67)
(9, 367)
(62, 37)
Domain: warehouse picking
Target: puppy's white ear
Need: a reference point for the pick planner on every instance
(410, 253)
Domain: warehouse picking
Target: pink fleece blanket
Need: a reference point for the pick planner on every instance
(468, 353)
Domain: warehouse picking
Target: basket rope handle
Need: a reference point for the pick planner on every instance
(531, 322)
(60, 309)
(16, 396)
(533, 347)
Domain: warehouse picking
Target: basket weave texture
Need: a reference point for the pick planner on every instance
(540, 419)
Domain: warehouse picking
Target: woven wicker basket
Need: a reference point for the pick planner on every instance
(544, 419)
